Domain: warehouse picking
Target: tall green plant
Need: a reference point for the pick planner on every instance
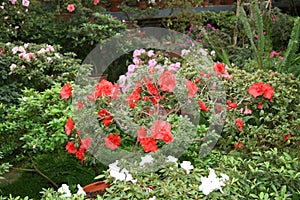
(291, 61)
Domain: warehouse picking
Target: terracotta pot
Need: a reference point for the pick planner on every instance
(143, 5)
(96, 187)
(114, 5)
(228, 2)
(216, 2)
(205, 3)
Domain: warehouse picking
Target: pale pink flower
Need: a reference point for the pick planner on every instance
(136, 60)
(150, 53)
(281, 58)
(246, 111)
(256, 36)
(13, 67)
(138, 52)
(71, 7)
(42, 50)
(13, 1)
(184, 52)
(50, 48)
(26, 45)
(152, 63)
(96, 2)
(131, 68)
(25, 3)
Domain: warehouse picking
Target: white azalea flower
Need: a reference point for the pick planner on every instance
(153, 198)
(119, 174)
(172, 159)
(212, 182)
(146, 159)
(187, 166)
(64, 190)
(80, 190)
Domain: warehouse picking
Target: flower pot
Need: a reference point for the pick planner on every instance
(228, 2)
(142, 5)
(205, 3)
(96, 188)
(216, 2)
(114, 5)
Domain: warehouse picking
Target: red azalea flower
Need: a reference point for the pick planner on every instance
(134, 97)
(104, 88)
(208, 75)
(145, 98)
(231, 105)
(141, 133)
(96, 2)
(161, 130)
(219, 68)
(85, 143)
(197, 80)
(66, 91)
(256, 89)
(268, 91)
(115, 91)
(2, 51)
(71, 148)
(202, 106)
(259, 105)
(167, 81)
(202, 73)
(112, 141)
(191, 87)
(286, 137)
(239, 124)
(155, 100)
(80, 155)
(105, 116)
(79, 105)
(69, 126)
(71, 7)
(149, 144)
(238, 145)
(151, 87)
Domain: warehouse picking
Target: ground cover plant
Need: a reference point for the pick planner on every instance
(256, 155)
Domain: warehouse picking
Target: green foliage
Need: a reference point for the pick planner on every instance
(38, 121)
(33, 66)
(84, 37)
(290, 63)
(265, 127)
(4, 167)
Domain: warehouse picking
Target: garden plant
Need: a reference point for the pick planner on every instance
(218, 119)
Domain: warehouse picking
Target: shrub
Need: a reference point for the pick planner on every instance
(36, 124)
(33, 66)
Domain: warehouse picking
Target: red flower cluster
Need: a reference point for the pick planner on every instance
(167, 81)
(219, 68)
(231, 105)
(84, 145)
(258, 89)
(105, 116)
(69, 126)
(286, 137)
(238, 145)
(112, 141)
(66, 91)
(203, 106)
(151, 87)
(160, 130)
(239, 124)
(259, 105)
(135, 96)
(105, 89)
(191, 87)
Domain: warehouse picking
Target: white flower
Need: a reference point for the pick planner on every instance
(64, 189)
(184, 52)
(119, 174)
(153, 198)
(80, 190)
(13, 67)
(187, 166)
(146, 159)
(213, 53)
(212, 182)
(172, 159)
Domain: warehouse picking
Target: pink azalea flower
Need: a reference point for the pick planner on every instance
(150, 53)
(273, 53)
(13, 1)
(152, 63)
(71, 7)
(25, 3)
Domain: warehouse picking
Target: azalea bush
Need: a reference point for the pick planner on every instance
(33, 66)
(267, 106)
(151, 108)
(13, 19)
